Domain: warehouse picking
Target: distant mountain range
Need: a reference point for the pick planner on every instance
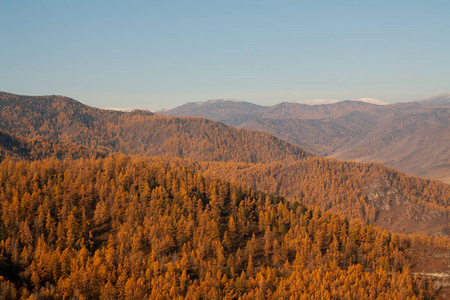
(413, 136)
(332, 101)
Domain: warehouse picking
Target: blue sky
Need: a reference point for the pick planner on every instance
(155, 54)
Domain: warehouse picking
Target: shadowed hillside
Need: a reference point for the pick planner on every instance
(31, 149)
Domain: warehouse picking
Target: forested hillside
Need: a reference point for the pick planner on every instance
(65, 120)
(125, 227)
(33, 149)
(370, 192)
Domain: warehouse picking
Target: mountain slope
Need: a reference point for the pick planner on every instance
(237, 113)
(412, 137)
(231, 112)
(417, 143)
(17, 147)
(65, 120)
(134, 228)
(370, 192)
(322, 136)
(439, 99)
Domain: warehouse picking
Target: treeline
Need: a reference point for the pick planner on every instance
(134, 228)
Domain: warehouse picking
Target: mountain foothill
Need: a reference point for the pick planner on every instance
(102, 204)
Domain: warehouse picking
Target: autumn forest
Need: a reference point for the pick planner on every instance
(98, 204)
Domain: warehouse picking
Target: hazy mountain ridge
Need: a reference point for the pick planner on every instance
(416, 142)
(237, 113)
(353, 130)
(232, 113)
(439, 99)
(332, 101)
(322, 136)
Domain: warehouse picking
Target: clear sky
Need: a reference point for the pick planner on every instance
(155, 54)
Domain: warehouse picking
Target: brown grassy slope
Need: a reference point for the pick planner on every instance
(414, 143)
(413, 138)
(321, 136)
